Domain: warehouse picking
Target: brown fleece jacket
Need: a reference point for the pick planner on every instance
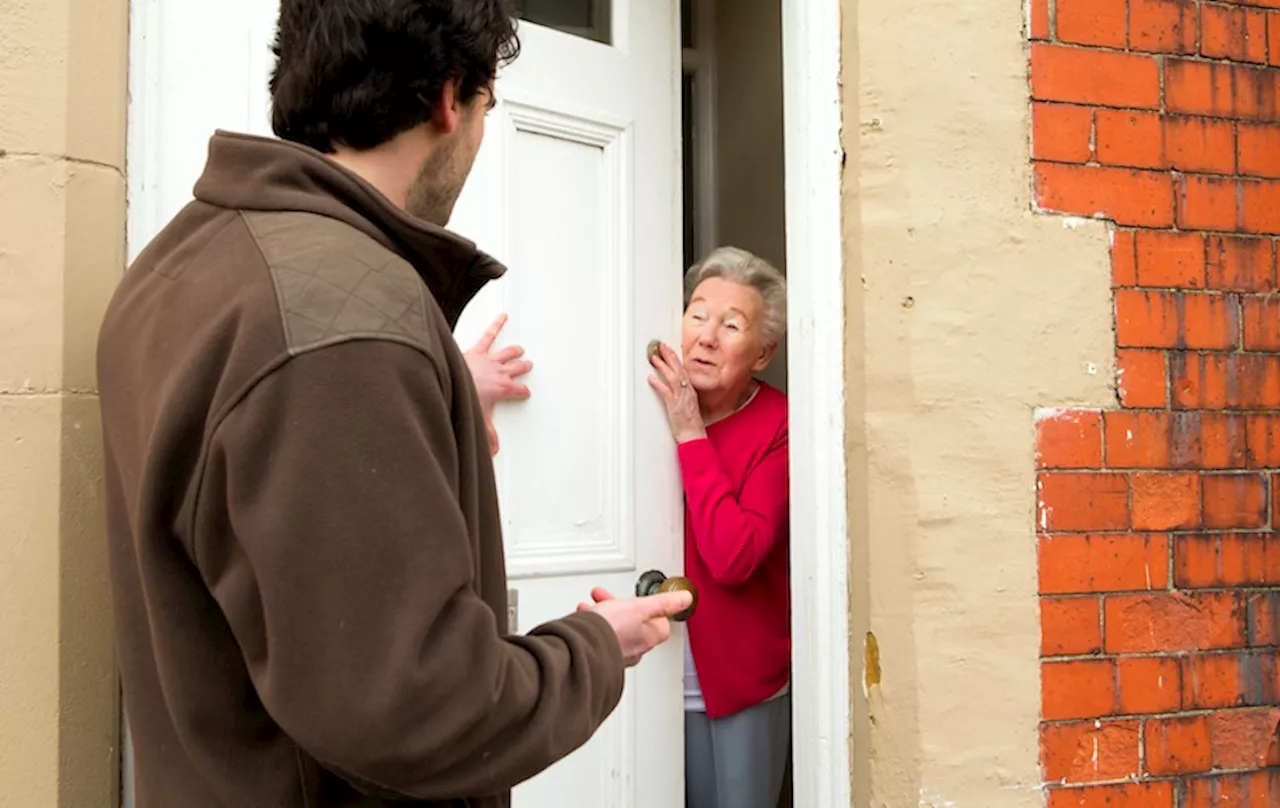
(305, 545)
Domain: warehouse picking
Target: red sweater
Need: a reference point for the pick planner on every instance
(736, 551)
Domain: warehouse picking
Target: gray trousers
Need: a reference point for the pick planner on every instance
(737, 761)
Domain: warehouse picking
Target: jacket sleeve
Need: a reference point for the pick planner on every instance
(735, 532)
(333, 539)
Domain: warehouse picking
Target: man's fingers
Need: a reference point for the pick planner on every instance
(517, 368)
(599, 594)
(508, 353)
(668, 604)
(515, 390)
(491, 334)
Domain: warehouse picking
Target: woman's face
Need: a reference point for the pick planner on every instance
(722, 339)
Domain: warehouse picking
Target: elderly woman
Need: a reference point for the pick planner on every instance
(731, 432)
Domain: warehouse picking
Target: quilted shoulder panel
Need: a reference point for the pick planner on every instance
(336, 283)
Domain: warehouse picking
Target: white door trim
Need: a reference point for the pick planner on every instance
(815, 390)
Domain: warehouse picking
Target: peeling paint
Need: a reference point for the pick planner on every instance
(871, 664)
(1049, 413)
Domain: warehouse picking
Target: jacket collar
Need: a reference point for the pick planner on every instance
(246, 172)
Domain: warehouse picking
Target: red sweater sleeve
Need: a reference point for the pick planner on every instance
(735, 534)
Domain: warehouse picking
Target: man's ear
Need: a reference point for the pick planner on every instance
(766, 356)
(447, 112)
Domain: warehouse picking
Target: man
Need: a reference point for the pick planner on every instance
(304, 536)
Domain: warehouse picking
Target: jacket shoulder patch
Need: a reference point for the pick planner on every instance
(335, 283)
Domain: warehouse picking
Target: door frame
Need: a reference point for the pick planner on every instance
(814, 160)
(816, 379)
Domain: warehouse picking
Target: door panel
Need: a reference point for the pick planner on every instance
(575, 188)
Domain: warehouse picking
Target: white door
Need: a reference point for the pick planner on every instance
(575, 189)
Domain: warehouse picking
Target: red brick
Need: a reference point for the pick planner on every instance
(1219, 90)
(1225, 381)
(1232, 790)
(1148, 685)
(1174, 440)
(1151, 794)
(1142, 378)
(1069, 439)
(1163, 26)
(1260, 205)
(1180, 745)
(1078, 502)
(1094, 77)
(1208, 203)
(1263, 619)
(1234, 500)
(1240, 264)
(1128, 197)
(1103, 563)
(1061, 132)
(1226, 559)
(1131, 139)
(1245, 739)
(1039, 22)
(1273, 37)
(1070, 626)
(1165, 501)
(1167, 622)
(1215, 681)
(1077, 689)
(1149, 140)
(1259, 149)
(1089, 751)
(1262, 439)
(1261, 317)
(1092, 22)
(1124, 259)
(1210, 681)
(1275, 497)
(1199, 144)
(1156, 319)
(1232, 32)
(1169, 259)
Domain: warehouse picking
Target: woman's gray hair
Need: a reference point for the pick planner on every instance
(738, 265)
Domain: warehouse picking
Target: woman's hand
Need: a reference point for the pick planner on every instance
(681, 400)
(495, 374)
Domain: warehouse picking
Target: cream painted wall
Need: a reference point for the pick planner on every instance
(967, 311)
(750, 180)
(62, 135)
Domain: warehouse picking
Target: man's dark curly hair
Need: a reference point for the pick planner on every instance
(360, 72)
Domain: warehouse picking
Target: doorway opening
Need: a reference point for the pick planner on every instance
(733, 158)
(733, 155)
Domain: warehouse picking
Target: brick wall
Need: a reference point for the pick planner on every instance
(1159, 571)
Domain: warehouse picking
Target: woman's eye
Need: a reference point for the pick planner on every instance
(732, 326)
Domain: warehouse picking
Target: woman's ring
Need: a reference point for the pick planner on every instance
(684, 382)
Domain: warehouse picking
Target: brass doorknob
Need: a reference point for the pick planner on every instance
(653, 582)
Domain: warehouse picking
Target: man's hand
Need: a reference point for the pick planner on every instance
(641, 624)
(495, 374)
